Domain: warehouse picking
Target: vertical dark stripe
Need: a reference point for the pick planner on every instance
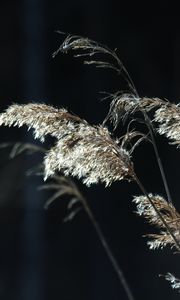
(33, 85)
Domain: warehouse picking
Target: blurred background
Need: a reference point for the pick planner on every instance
(42, 258)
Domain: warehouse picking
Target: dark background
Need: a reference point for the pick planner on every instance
(40, 256)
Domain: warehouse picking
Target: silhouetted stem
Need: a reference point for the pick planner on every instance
(107, 249)
(166, 187)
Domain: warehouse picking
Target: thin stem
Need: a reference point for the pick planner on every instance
(166, 187)
(142, 188)
(108, 250)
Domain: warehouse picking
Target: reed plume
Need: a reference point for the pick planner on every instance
(166, 114)
(82, 150)
(168, 117)
(169, 214)
(124, 104)
(44, 119)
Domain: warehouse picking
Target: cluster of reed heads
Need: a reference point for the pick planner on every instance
(92, 153)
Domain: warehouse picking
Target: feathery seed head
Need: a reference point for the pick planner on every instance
(168, 116)
(44, 119)
(169, 214)
(82, 150)
(123, 105)
(91, 154)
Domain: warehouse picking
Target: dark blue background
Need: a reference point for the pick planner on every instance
(41, 257)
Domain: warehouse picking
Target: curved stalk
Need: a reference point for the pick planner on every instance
(163, 176)
(107, 249)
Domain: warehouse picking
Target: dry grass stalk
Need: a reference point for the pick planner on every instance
(89, 49)
(121, 102)
(89, 152)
